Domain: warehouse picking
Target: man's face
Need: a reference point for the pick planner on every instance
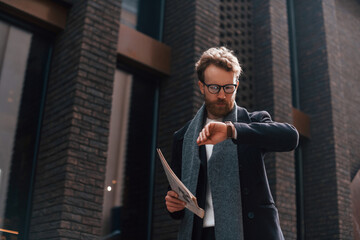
(220, 104)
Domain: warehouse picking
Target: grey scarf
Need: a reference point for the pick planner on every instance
(223, 176)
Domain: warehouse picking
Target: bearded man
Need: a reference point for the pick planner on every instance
(219, 155)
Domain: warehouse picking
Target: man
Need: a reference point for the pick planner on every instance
(219, 155)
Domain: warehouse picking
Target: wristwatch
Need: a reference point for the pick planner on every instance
(229, 127)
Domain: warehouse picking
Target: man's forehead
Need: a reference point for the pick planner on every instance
(214, 76)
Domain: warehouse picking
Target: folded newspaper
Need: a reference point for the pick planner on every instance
(177, 186)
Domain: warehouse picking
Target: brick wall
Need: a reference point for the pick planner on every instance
(190, 27)
(70, 176)
(236, 33)
(318, 154)
(272, 83)
(348, 22)
(340, 119)
(323, 89)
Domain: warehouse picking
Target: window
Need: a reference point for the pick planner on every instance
(128, 194)
(144, 16)
(23, 64)
(114, 183)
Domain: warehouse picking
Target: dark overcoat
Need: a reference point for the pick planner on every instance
(257, 135)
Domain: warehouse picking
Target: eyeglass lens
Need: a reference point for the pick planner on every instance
(214, 88)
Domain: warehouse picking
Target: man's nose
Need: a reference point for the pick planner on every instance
(221, 93)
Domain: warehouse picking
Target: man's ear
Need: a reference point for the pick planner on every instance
(201, 87)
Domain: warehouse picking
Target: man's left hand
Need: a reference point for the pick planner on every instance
(212, 133)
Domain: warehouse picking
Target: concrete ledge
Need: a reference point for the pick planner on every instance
(143, 50)
(302, 122)
(47, 14)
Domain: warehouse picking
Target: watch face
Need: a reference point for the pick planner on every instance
(229, 129)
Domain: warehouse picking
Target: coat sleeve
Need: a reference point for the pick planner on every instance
(176, 167)
(266, 134)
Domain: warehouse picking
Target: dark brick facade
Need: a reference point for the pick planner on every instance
(236, 33)
(275, 82)
(327, 92)
(68, 195)
(69, 185)
(190, 28)
(272, 84)
(348, 20)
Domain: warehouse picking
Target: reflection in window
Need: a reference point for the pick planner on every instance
(144, 16)
(129, 12)
(127, 188)
(15, 45)
(23, 60)
(113, 195)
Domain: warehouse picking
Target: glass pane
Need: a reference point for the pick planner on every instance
(126, 202)
(23, 57)
(129, 12)
(15, 52)
(138, 159)
(115, 166)
(144, 16)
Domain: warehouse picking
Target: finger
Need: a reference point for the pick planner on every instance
(174, 205)
(207, 130)
(172, 194)
(199, 138)
(204, 142)
(200, 141)
(170, 209)
(203, 136)
(174, 209)
(174, 200)
(179, 204)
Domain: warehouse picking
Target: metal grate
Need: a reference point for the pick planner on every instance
(236, 33)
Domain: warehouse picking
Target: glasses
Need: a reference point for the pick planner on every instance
(214, 88)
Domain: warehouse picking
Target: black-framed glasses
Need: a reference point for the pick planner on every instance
(214, 88)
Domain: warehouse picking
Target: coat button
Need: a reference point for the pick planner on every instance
(251, 215)
(246, 191)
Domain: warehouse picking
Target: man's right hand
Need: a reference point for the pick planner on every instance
(212, 133)
(173, 203)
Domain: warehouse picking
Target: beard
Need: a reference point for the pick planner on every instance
(219, 111)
